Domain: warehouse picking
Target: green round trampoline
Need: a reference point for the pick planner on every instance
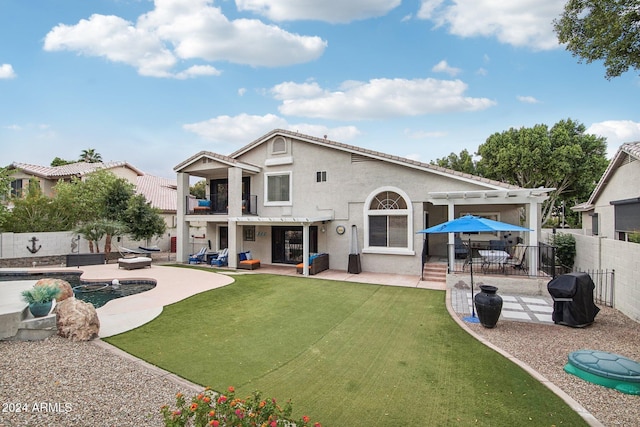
(606, 369)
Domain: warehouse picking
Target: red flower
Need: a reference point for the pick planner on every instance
(231, 389)
(193, 407)
(317, 425)
(222, 399)
(305, 419)
(273, 423)
(214, 423)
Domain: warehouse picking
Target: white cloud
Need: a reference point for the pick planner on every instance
(378, 98)
(242, 91)
(244, 128)
(617, 132)
(335, 11)
(6, 71)
(527, 99)
(183, 30)
(444, 67)
(518, 23)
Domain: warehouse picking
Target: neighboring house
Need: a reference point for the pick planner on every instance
(160, 192)
(287, 195)
(613, 209)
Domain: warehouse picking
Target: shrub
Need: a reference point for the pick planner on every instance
(39, 294)
(565, 249)
(225, 410)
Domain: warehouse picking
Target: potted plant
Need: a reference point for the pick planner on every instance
(40, 299)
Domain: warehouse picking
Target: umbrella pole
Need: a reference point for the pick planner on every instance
(472, 318)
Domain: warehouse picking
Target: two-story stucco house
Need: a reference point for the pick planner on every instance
(286, 195)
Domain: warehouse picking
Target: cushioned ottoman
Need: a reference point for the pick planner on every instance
(249, 264)
(134, 263)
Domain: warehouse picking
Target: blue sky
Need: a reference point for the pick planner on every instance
(154, 82)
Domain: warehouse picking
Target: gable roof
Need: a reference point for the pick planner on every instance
(376, 155)
(626, 153)
(220, 158)
(73, 169)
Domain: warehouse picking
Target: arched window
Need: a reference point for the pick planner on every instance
(388, 222)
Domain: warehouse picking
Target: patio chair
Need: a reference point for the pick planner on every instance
(461, 250)
(222, 259)
(198, 257)
(518, 258)
(497, 245)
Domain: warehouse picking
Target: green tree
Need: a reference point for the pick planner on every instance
(61, 162)
(90, 155)
(463, 163)
(96, 204)
(142, 220)
(563, 157)
(5, 194)
(199, 189)
(33, 212)
(605, 30)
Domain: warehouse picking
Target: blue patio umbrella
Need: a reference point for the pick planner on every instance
(472, 224)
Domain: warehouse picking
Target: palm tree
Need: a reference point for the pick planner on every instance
(90, 156)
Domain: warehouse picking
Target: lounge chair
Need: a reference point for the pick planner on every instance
(129, 253)
(199, 257)
(222, 259)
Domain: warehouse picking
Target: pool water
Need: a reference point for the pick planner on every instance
(96, 293)
(99, 294)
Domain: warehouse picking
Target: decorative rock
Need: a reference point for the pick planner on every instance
(77, 320)
(66, 291)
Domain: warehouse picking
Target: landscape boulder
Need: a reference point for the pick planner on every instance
(77, 320)
(66, 291)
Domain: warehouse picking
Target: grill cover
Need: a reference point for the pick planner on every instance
(572, 295)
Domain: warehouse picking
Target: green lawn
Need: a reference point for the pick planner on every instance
(346, 354)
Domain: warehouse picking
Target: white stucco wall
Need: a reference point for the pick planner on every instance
(599, 253)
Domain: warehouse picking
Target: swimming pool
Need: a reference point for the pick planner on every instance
(97, 293)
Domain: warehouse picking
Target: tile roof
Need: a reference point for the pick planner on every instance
(77, 169)
(376, 155)
(161, 192)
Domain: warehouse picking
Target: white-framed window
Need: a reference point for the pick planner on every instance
(277, 188)
(321, 176)
(388, 222)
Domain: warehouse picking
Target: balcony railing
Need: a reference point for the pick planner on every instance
(220, 206)
(507, 260)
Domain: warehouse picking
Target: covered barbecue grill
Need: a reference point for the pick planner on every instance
(573, 304)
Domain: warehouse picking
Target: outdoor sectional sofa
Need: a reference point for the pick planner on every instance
(246, 261)
(317, 263)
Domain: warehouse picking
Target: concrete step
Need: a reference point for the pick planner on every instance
(435, 272)
(36, 328)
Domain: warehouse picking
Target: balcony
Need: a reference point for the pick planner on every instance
(220, 206)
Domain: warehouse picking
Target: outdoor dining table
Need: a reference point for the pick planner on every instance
(490, 257)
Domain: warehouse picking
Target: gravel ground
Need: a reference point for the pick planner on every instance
(86, 384)
(546, 347)
(79, 384)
